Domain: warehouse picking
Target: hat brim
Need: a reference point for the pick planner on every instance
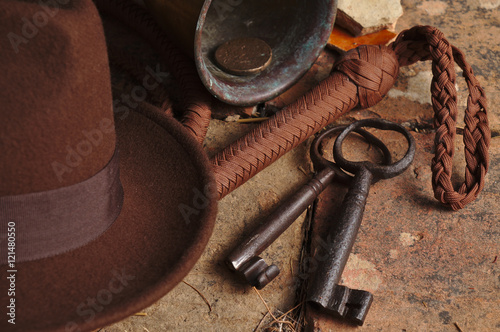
(167, 218)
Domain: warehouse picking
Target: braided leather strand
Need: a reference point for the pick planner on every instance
(476, 138)
(428, 43)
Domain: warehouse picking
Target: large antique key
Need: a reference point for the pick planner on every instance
(244, 258)
(324, 291)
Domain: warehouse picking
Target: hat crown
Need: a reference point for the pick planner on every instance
(56, 119)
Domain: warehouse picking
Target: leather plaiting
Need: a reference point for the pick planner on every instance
(428, 43)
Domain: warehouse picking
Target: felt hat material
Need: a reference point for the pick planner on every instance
(58, 129)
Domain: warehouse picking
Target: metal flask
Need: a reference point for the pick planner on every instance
(248, 52)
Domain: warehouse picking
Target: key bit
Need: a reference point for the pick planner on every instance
(258, 273)
(349, 304)
(244, 258)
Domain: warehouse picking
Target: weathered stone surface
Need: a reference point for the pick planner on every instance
(417, 89)
(361, 17)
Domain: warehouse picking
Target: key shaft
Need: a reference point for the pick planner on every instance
(277, 222)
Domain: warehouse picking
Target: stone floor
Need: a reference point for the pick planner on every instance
(430, 269)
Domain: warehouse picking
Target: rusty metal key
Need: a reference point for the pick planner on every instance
(324, 291)
(244, 258)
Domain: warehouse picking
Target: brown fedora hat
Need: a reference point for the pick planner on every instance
(101, 214)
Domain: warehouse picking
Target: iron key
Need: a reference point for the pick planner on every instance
(244, 258)
(324, 291)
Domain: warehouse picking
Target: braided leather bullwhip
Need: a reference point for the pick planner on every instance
(361, 78)
(196, 100)
(353, 82)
